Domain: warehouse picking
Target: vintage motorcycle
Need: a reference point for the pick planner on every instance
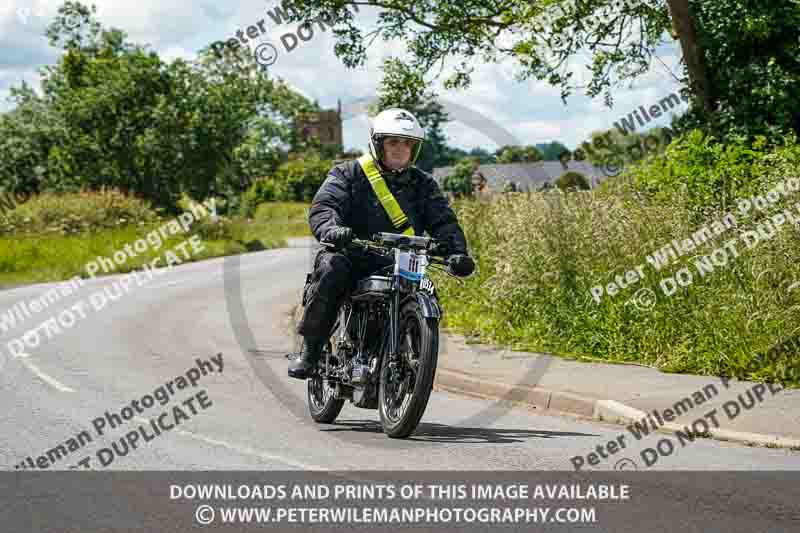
(384, 346)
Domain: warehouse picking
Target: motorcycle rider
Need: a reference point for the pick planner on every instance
(381, 191)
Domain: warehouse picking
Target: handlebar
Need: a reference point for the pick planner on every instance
(383, 242)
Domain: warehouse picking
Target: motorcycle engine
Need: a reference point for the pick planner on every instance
(364, 367)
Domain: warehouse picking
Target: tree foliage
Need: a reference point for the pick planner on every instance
(483, 156)
(571, 181)
(745, 51)
(299, 179)
(113, 113)
(459, 181)
(751, 51)
(518, 154)
(612, 147)
(540, 36)
(550, 151)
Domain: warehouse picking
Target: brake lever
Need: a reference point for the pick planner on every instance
(449, 273)
(357, 244)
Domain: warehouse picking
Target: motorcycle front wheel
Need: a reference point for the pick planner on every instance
(406, 383)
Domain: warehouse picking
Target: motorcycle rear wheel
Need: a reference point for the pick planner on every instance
(401, 403)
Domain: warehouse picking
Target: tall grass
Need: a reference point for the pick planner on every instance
(540, 254)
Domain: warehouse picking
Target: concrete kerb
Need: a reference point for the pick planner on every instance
(619, 413)
(559, 402)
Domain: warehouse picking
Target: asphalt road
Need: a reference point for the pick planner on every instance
(251, 416)
(258, 418)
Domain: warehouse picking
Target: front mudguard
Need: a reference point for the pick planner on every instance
(427, 302)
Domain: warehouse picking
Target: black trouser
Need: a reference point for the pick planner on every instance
(334, 273)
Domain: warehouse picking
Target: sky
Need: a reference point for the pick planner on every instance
(495, 109)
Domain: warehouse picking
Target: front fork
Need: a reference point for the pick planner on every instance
(394, 312)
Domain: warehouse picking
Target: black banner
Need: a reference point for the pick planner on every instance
(81, 501)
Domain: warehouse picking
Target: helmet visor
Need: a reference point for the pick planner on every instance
(399, 151)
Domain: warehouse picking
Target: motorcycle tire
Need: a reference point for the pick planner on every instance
(424, 333)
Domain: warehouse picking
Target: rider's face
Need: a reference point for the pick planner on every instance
(397, 151)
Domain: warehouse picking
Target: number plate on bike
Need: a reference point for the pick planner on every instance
(412, 266)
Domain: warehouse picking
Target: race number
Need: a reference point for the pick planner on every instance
(426, 285)
(411, 265)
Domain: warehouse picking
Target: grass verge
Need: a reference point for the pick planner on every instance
(51, 257)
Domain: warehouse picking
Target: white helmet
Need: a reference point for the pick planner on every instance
(395, 122)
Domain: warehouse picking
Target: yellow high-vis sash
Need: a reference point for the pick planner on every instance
(385, 196)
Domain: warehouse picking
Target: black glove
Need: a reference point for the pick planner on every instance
(461, 265)
(447, 246)
(339, 236)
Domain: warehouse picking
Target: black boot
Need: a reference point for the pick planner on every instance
(307, 360)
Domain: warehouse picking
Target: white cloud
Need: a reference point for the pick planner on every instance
(530, 111)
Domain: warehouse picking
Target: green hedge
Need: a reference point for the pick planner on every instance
(573, 181)
(71, 213)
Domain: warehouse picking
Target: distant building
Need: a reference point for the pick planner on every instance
(528, 176)
(325, 125)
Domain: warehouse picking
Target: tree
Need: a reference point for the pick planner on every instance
(750, 51)
(483, 156)
(299, 180)
(451, 155)
(684, 29)
(550, 151)
(739, 55)
(518, 154)
(459, 181)
(404, 88)
(112, 113)
(27, 133)
(612, 147)
(540, 36)
(570, 181)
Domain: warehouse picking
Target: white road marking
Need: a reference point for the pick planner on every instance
(242, 449)
(44, 377)
(245, 450)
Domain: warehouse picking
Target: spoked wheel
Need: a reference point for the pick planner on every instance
(406, 383)
(322, 404)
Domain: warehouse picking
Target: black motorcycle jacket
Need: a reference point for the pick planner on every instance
(346, 198)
